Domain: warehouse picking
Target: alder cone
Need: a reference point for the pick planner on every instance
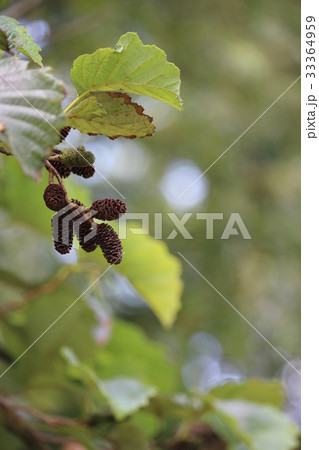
(61, 248)
(110, 243)
(61, 168)
(85, 172)
(108, 208)
(84, 229)
(77, 157)
(64, 133)
(54, 197)
(62, 231)
(58, 238)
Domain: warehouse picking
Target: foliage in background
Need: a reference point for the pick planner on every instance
(94, 379)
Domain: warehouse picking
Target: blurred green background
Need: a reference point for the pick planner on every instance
(236, 58)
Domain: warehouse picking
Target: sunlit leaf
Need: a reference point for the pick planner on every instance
(130, 67)
(155, 273)
(126, 395)
(30, 112)
(110, 114)
(259, 391)
(15, 37)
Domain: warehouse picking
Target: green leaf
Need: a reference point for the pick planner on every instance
(130, 67)
(155, 273)
(15, 37)
(260, 427)
(110, 114)
(30, 112)
(126, 395)
(148, 365)
(259, 391)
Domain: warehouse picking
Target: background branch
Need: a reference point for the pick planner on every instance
(47, 288)
(21, 8)
(5, 152)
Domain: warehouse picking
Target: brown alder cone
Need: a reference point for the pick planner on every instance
(110, 243)
(85, 172)
(54, 197)
(62, 169)
(108, 208)
(62, 229)
(59, 235)
(84, 229)
(64, 133)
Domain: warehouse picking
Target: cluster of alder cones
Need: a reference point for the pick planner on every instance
(72, 218)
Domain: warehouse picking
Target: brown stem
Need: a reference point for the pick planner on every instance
(5, 152)
(15, 423)
(21, 8)
(52, 421)
(51, 181)
(53, 170)
(33, 437)
(37, 292)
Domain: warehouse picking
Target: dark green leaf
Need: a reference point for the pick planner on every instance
(30, 112)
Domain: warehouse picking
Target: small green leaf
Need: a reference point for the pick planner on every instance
(15, 37)
(30, 112)
(126, 395)
(110, 114)
(130, 67)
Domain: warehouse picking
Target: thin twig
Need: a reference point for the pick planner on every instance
(5, 152)
(15, 423)
(53, 421)
(37, 292)
(21, 8)
(53, 170)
